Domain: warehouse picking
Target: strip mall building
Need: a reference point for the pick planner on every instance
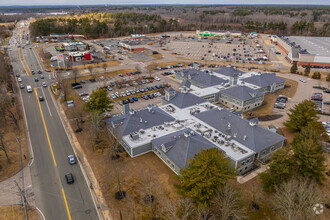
(314, 51)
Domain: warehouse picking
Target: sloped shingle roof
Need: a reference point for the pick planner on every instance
(144, 119)
(181, 148)
(257, 137)
(243, 93)
(264, 80)
(184, 100)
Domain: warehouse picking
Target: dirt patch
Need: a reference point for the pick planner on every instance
(16, 212)
(94, 65)
(269, 117)
(269, 99)
(107, 74)
(158, 56)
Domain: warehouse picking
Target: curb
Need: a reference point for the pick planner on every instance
(97, 196)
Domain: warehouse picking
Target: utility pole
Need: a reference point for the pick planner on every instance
(23, 198)
(18, 139)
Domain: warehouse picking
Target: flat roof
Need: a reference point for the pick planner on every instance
(314, 45)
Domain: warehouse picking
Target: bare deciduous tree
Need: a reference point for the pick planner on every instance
(226, 204)
(295, 199)
(95, 126)
(76, 114)
(74, 72)
(91, 70)
(105, 66)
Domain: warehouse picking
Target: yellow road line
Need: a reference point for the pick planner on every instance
(20, 58)
(43, 120)
(66, 204)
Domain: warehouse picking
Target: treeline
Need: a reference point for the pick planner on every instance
(298, 28)
(94, 25)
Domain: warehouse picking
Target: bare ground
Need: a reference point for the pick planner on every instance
(15, 212)
(10, 169)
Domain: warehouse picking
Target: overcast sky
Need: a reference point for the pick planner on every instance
(89, 2)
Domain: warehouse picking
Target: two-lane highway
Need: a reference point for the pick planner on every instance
(54, 197)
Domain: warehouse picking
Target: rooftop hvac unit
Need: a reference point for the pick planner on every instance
(141, 131)
(134, 135)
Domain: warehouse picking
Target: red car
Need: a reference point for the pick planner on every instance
(128, 74)
(150, 80)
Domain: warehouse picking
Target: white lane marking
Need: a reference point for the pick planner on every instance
(46, 101)
(27, 131)
(42, 214)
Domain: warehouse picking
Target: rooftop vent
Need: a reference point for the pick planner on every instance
(244, 138)
(186, 134)
(131, 112)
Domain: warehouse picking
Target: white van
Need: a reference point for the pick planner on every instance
(29, 88)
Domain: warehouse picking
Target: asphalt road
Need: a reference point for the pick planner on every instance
(54, 197)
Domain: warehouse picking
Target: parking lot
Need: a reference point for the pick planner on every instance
(127, 85)
(236, 51)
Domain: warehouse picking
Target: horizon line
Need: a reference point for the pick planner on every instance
(156, 4)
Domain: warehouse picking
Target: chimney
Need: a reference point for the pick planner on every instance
(253, 122)
(126, 108)
(229, 126)
(149, 107)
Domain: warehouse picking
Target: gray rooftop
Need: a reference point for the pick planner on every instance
(254, 137)
(264, 80)
(182, 145)
(243, 93)
(229, 71)
(313, 45)
(184, 100)
(202, 77)
(186, 84)
(143, 119)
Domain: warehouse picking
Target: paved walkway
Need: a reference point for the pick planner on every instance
(9, 192)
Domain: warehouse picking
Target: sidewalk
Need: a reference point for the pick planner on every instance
(250, 176)
(9, 192)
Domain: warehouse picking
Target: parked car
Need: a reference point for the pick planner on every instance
(279, 105)
(75, 84)
(44, 84)
(32, 71)
(69, 178)
(19, 79)
(36, 79)
(83, 94)
(317, 96)
(18, 75)
(135, 98)
(21, 86)
(42, 76)
(77, 87)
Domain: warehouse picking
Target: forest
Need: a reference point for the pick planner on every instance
(117, 21)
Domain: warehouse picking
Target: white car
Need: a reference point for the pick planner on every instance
(157, 78)
(85, 99)
(302, 80)
(44, 84)
(19, 79)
